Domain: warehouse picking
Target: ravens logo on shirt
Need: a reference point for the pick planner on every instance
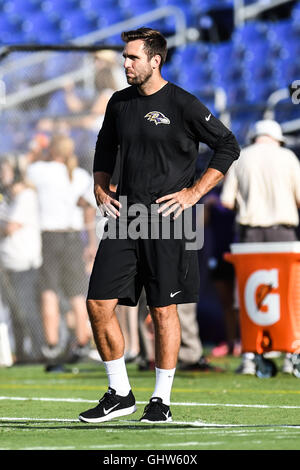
(157, 117)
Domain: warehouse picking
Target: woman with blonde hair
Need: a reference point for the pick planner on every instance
(20, 258)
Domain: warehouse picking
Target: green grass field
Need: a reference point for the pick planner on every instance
(211, 411)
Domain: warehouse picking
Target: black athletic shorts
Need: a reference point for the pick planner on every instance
(167, 270)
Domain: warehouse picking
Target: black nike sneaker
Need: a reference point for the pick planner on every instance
(110, 406)
(156, 412)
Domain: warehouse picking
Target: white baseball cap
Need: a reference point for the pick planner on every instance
(267, 127)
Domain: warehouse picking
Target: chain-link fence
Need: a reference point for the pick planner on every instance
(52, 106)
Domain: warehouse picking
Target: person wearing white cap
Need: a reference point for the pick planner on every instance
(263, 186)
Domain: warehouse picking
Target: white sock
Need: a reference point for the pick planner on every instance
(117, 376)
(163, 384)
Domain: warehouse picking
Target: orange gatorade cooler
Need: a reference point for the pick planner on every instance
(268, 279)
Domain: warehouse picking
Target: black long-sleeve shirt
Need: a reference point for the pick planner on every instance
(158, 137)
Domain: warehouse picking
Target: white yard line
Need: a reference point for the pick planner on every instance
(59, 420)
(82, 400)
(195, 424)
(63, 400)
(124, 446)
(237, 405)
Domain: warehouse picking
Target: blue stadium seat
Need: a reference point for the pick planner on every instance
(241, 130)
(251, 32)
(169, 73)
(220, 56)
(203, 6)
(59, 8)
(11, 32)
(259, 61)
(75, 24)
(230, 76)
(190, 18)
(282, 33)
(7, 26)
(245, 114)
(109, 16)
(108, 10)
(236, 93)
(259, 91)
(98, 5)
(138, 8)
(242, 119)
(284, 30)
(296, 14)
(184, 6)
(20, 7)
(132, 4)
(191, 53)
(41, 29)
(286, 111)
(290, 48)
(257, 70)
(194, 77)
(222, 51)
(287, 70)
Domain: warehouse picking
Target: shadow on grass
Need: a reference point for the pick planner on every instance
(135, 426)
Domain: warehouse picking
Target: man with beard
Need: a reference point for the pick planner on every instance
(156, 126)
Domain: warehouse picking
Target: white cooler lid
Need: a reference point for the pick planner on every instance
(265, 247)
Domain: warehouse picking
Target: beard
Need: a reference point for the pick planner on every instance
(140, 79)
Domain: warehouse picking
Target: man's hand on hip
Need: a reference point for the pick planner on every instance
(187, 197)
(177, 202)
(106, 202)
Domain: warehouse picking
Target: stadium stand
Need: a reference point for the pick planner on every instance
(256, 58)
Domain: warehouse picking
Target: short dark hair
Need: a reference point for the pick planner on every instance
(154, 42)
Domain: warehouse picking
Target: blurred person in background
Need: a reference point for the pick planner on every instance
(128, 319)
(263, 186)
(20, 259)
(191, 353)
(37, 149)
(84, 115)
(38, 144)
(62, 187)
(108, 70)
(146, 357)
(220, 227)
(88, 111)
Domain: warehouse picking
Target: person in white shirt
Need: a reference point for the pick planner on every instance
(263, 186)
(20, 259)
(60, 185)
